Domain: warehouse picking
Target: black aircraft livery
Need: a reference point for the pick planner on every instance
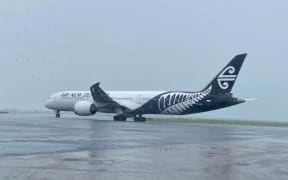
(216, 95)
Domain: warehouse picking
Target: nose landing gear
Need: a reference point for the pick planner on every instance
(58, 114)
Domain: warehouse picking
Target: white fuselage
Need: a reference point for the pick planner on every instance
(65, 101)
(216, 95)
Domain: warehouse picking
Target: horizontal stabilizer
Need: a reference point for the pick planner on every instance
(251, 99)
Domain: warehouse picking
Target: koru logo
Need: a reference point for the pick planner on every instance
(228, 75)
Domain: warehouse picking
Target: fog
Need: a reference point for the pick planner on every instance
(50, 46)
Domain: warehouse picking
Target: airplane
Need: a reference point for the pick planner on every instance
(125, 104)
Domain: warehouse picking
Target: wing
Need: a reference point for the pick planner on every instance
(103, 101)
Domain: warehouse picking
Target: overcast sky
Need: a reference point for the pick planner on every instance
(55, 45)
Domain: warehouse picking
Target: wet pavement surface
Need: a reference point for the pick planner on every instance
(38, 146)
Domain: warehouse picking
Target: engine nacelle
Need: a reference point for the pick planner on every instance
(85, 108)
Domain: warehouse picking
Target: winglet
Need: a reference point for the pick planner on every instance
(96, 90)
(96, 84)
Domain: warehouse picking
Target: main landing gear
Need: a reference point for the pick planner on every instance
(57, 114)
(120, 118)
(137, 118)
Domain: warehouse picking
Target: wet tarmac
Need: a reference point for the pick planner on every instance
(38, 146)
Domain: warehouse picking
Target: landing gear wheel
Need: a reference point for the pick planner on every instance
(120, 118)
(58, 114)
(139, 119)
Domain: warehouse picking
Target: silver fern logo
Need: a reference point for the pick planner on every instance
(228, 75)
(177, 103)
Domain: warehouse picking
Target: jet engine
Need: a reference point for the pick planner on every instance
(84, 108)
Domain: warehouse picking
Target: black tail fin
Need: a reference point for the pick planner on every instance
(224, 81)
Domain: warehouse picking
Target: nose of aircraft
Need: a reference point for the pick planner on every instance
(48, 104)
